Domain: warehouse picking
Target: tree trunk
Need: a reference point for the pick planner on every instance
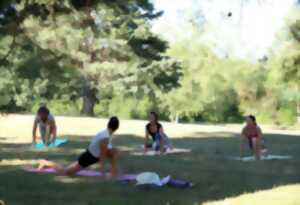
(298, 105)
(176, 118)
(89, 101)
(298, 112)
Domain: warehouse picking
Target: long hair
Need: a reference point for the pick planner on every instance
(155, 116)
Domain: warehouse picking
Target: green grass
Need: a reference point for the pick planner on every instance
(276, 196)
(207, 166)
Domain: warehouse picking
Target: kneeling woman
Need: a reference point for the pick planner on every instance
(47, 125)
(99, 150)
(156, 131)
(252, 135)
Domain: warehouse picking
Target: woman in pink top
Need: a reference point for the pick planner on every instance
(252, 134)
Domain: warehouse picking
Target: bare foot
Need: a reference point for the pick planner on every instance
(42, 164)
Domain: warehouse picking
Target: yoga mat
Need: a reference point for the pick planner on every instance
(268, 157)
(153, 152)
(179, 183)
(124, 178)
(58, 142)
(84, 172)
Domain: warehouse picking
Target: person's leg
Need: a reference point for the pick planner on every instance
(153, 144)
(45, 134)
(257, 148)
(243, 140)
(158, 142)
(167, 142)
(264, 149)
(113, 156)
(73, 168)
(69, 170)
(250, 143)
(153, 138)
(49, 164)
(42, 133)
(149, 145)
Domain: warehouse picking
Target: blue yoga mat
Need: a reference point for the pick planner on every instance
(58, 142)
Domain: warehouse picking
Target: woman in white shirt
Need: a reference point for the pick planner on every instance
(99, 150)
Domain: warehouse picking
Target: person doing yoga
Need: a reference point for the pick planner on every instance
(160, 141)
(99, 150)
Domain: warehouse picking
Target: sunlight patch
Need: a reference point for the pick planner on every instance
(126, 148)
(14, 162)
(68, 180)
(276, 196)
(76, 151)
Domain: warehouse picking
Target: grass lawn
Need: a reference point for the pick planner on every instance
(216, 177)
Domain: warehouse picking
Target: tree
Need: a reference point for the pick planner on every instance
(207, 89)
(292, 68)
(108, 43)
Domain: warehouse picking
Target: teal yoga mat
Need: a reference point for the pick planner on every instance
(58, 142)
(267, 157)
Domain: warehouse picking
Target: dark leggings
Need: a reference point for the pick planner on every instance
(156, 142)
(250, 143)
(157, 139)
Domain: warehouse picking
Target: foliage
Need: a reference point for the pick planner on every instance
(104, 55)
(95, 46)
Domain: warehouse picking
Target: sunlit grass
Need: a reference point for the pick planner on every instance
(215, 177)
(14, 162)
(284, 195)
(18, 128)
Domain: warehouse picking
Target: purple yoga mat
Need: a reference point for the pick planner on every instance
(86, 173)
(124, 178)
(180, 183)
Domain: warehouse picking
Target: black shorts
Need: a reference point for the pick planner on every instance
(86, 159)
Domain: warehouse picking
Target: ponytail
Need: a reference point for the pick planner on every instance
(253, 118)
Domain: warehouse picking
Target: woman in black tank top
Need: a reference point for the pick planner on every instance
(155, 130)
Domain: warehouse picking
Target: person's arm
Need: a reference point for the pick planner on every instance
(34, 131)
(53, 131)
(260, 135)
(258, 144)
(161, 142)
(146, 141)
(243, 137)
(103, 154)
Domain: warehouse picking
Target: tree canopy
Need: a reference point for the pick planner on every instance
(102, 57)
(71, 49)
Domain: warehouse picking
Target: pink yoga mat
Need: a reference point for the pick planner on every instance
(86, 173)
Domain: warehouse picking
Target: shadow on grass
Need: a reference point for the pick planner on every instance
(207, 166)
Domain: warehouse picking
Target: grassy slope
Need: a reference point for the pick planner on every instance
(216, 177)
